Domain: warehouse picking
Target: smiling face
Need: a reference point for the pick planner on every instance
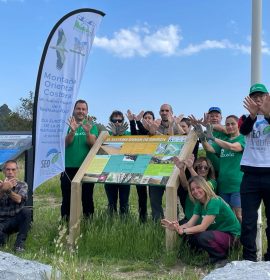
(214, 117)
(197, 192)
(80, 112)
(185, 127)
(232, 126)
(202, 169)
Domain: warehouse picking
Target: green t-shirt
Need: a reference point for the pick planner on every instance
(211, 156)
(189, 205)
(230, 175)
(78, 149)
(225, 219)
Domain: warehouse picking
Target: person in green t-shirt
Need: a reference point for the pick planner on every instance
(230, 151)
(218, 228)
(202, 166)
(81, 136)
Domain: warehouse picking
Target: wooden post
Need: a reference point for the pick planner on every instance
(171, 189)
(76, 191)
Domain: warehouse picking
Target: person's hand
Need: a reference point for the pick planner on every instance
(112, 127)
(178, 119)
(87, 124)
(7, 185)
(200, 133)
(151, 126)
(265, 107)
(72, 124)
(205, 120)
(168, 224)
(209, 132)
(122, 128)
(130, 115)
(139, 116)
(179, 163)
(251, 106)
(194, 121)
(170, 119)
(189, 161)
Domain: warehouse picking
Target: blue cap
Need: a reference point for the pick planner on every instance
(214, 109)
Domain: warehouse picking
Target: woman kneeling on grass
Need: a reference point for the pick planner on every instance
(213, 226)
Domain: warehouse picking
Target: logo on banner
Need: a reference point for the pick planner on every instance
(60, 49)
(51, 158)
(84, 25)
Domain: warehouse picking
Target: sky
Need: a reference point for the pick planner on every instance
(192, 54)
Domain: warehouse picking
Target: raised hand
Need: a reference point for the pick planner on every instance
(130, 115)
(139, 116)
(205, 120)
(178, 119)
(87, 124)
(189, 161)
(121, 128)
(73, 125)
(200, 133)
(251, 106)
(179, 163)
(209, 132)
(112, 127)
(265, 107)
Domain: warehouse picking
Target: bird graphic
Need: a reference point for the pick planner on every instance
(60, 49)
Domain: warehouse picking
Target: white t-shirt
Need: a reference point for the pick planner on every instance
(257, 150)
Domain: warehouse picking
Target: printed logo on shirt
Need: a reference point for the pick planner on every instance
(224, 153)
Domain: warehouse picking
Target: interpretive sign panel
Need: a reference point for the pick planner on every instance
(12, 145)
(144, 160)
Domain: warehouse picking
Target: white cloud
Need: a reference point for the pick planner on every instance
(142, 41)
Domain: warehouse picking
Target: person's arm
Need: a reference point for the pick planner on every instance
(220, 128)
(142, 129)
(191, 229)
(247, 125)
(207, 147)
(236, 146)
(132, 126)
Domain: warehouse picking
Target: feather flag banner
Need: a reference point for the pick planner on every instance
(60, 72)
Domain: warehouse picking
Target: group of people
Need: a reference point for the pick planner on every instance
(220, 193)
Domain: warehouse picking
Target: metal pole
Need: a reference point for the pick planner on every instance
(256, 67)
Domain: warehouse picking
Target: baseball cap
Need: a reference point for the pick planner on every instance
(258, 88)
(214, 109)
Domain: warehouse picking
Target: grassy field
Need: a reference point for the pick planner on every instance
(107, 248)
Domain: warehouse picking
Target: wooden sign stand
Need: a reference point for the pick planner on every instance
(171, 190)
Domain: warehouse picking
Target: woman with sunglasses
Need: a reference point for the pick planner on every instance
(137, 128)
(117, 127)
(230, 151)
(213, 226)
(203, 167)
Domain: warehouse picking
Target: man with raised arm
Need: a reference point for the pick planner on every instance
(81, 136)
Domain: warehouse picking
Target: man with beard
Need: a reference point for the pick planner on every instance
(81, 136)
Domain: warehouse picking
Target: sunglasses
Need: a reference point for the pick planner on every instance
(117, 121)
(201, 167)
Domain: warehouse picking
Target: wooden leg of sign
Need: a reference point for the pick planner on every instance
(171, 214)
(75, 212)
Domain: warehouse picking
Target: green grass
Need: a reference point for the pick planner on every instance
(108, 248)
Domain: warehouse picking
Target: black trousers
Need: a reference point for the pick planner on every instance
(254, 188)
(156, 194)
(112, 191)
(142, 202)
(87, 194)
(19, 223)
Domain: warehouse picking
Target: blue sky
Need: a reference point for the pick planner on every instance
(192, 54)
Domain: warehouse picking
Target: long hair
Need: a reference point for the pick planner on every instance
(199, 180)
(211, 170)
